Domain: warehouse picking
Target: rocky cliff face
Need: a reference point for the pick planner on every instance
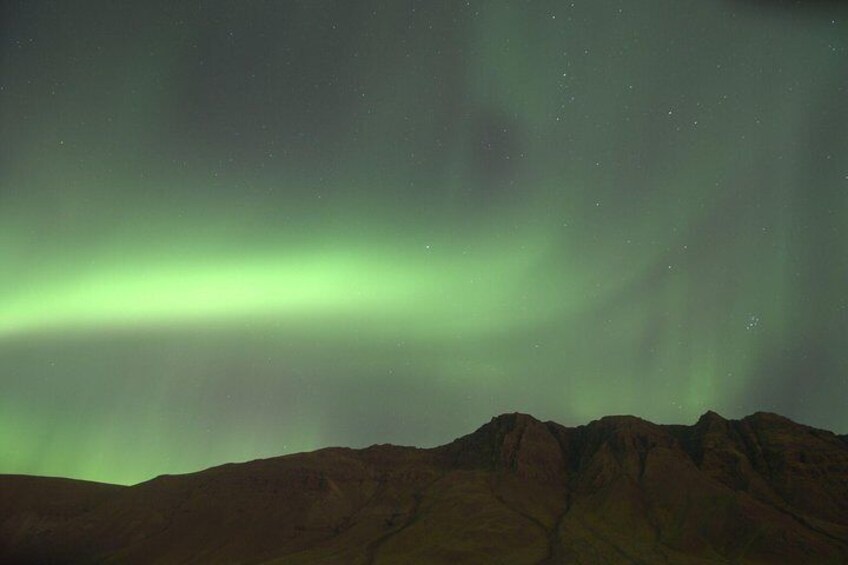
(758, 490)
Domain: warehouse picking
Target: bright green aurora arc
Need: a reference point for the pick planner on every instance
(232, 230)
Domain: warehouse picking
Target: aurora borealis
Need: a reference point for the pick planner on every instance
(238, 230)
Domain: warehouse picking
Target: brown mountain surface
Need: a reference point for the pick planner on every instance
(617, 490)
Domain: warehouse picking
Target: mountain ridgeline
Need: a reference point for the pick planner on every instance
(762, 489)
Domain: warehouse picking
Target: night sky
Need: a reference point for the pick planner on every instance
(232, 230)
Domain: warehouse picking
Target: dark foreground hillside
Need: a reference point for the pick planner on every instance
(618, 490)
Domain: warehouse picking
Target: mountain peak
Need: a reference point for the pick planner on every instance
(619, 420)
(507, 419)
(711, 416)
(514, 441)
(769, 417)
(760, 489)
(710, 420)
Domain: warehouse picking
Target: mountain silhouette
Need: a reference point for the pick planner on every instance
(762, 489)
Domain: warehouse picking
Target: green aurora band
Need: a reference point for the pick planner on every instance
(409, 222)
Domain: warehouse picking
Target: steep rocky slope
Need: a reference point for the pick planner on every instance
(758, 490)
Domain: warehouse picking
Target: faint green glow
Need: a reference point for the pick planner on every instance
(425, 286)
(219, 241)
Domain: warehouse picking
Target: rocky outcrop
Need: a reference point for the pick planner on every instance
(620, 489)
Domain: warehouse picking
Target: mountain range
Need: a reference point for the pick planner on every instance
(762, 489)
